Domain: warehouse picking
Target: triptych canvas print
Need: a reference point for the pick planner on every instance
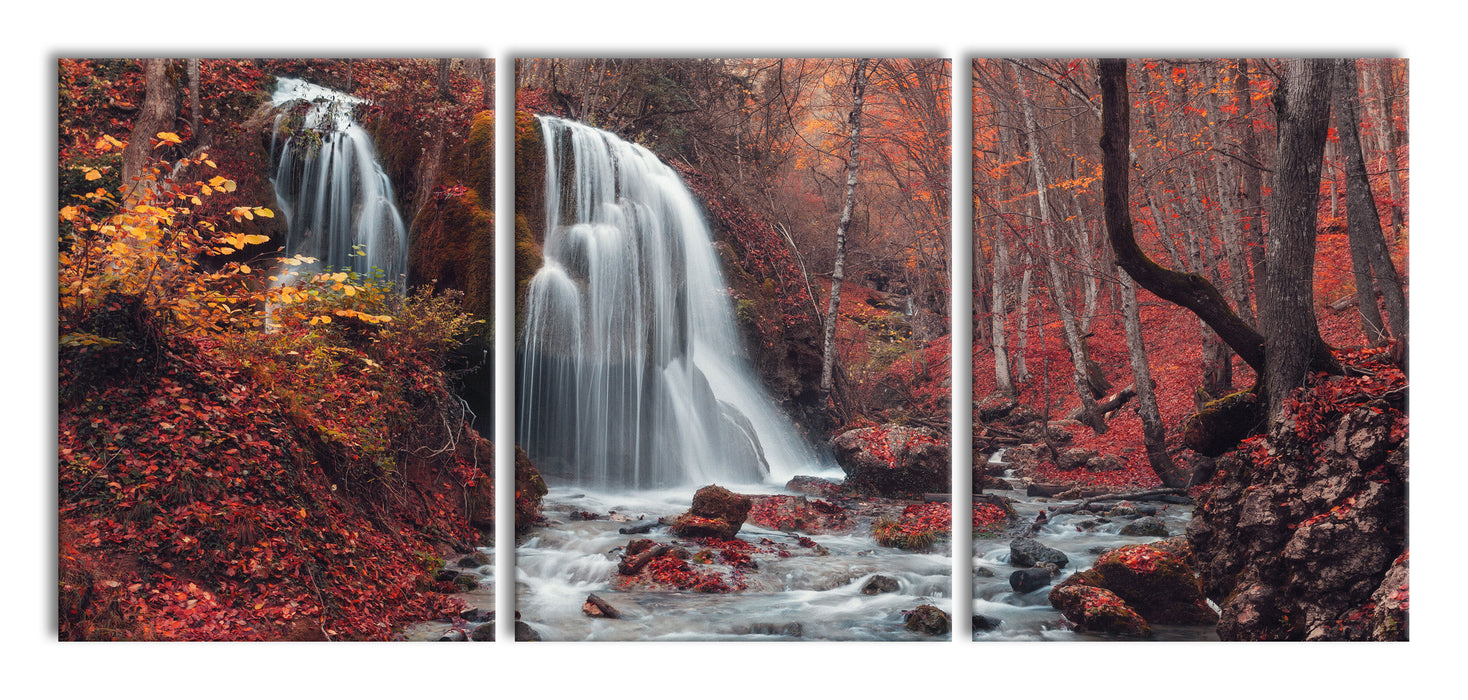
(726, 349)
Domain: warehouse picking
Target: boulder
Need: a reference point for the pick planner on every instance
(996, 406)
(796, 513)
(927, 620)
(1156, 580)
(1105, 463)
(1148, 526)
(893, 461)
(716, 512)
(1025, 552)
(1029, 580)
(879, 583)
(1074, 458)
(1301, 529)
(1093, 609)
(984, 623)
(814, 486)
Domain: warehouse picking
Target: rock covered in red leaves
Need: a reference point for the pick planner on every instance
(1155, 579)
(1301, 528)
(1093, 609)
(893, 461)
(797, 513)
(716, 512)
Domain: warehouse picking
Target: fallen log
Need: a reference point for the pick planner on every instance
(1111, 403)
(1127, 496)
(596, 607)
(630, 566)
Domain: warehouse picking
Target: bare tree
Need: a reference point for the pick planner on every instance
(853, 164)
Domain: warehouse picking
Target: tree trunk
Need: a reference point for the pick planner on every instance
(444, 93)
(1370, 258)
(1022, 372)
(193, 69)
(1079, 374)
(853, 163)
(1002, 380)
(1154, 433)
(1286, 309)
(1193, 292)
(156, 115)
(1253, 204)
(1387, 88)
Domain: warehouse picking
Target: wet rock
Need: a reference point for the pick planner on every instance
(446, 575)
(777, 629)
(1093, 609)
(879, 583)
(1156, 580)
(814, 486)
(469, 563)
(893, 461)
(1145, 527)
(984, 623)
(483, 633)
(983, 572)
(716, 512)
(1045, 490)
(1029, 580)
(595, 606)
(641, 529)
(1025, 552)
(466, 582)
(454, 635)
(928, 620)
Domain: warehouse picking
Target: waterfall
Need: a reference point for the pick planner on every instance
(337, 201)
(631, 369)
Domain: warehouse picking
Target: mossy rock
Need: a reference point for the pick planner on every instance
(1093, 609)
(1224, 422)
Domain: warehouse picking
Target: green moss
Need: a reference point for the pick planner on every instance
(1223, 423)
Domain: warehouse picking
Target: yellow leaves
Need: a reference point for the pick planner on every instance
(241, 213)
(169, 137)
(297, 260)
(69, 213)
(245, 269)
(93, 175)
(238, 241)
(370, 318)
(107, 143)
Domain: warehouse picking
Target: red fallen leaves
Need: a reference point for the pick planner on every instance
(918, 528)
(988, 517)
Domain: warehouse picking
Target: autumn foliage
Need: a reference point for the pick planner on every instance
(247, 455)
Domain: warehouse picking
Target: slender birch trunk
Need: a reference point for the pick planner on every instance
(828, 355)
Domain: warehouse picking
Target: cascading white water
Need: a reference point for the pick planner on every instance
(337, 201)
(631, 369)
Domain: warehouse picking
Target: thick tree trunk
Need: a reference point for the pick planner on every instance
(853, 163)
(1079, 374)
(1193, 292)
(1370, 258)
(156, 115)
(1286, 309)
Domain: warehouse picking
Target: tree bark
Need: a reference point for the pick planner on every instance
(853, 163)
(1370, 258)
(1286, 309)
(1154, 433)
(1002, 381)
(1190, 291)
(1079, 374)
(156, 115)
(193, 70)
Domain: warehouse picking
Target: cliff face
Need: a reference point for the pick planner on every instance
(1303, 535)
